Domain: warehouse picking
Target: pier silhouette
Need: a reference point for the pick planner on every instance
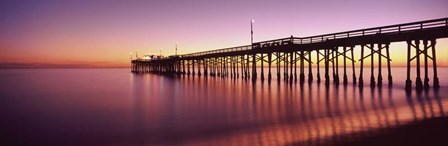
(243, 61)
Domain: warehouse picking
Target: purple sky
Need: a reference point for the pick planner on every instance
(103, 32)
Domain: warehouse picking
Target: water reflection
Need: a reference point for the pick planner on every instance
(229, 111)
(115, 107)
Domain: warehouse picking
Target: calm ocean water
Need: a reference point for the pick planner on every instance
(116, 107)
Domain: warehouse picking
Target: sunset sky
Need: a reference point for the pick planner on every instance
(102, 33)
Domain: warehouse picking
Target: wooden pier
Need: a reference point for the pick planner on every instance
(284, 54)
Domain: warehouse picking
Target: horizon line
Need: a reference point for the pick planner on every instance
(87, 67)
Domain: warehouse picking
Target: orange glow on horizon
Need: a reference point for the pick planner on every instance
(100, 34)
(96, 59)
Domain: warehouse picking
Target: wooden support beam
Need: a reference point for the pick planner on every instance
(408, 69)
(254, 67)
(247, 66)
(278, 65)
(332, 63)
(434, 64)
(318, 65)
(302, 66)
(372, 66)
(418, 81)
(425, 52)
(291, 62)
(285, 66)
(310, 70)
(389, 72)
(192, 62)
(345, 66)
(353, 65)
(295, 66)
(327, 76)
(380, 77)
(262, 66)
(270, 65)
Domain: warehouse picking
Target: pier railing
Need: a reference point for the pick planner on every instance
(399, 28)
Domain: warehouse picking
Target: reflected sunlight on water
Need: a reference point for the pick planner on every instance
(115, 107)
(228, 111)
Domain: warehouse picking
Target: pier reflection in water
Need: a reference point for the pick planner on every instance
(224, 111)
(114, 107)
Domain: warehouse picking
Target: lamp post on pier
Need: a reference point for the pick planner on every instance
(251, 32)
(254, 65)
